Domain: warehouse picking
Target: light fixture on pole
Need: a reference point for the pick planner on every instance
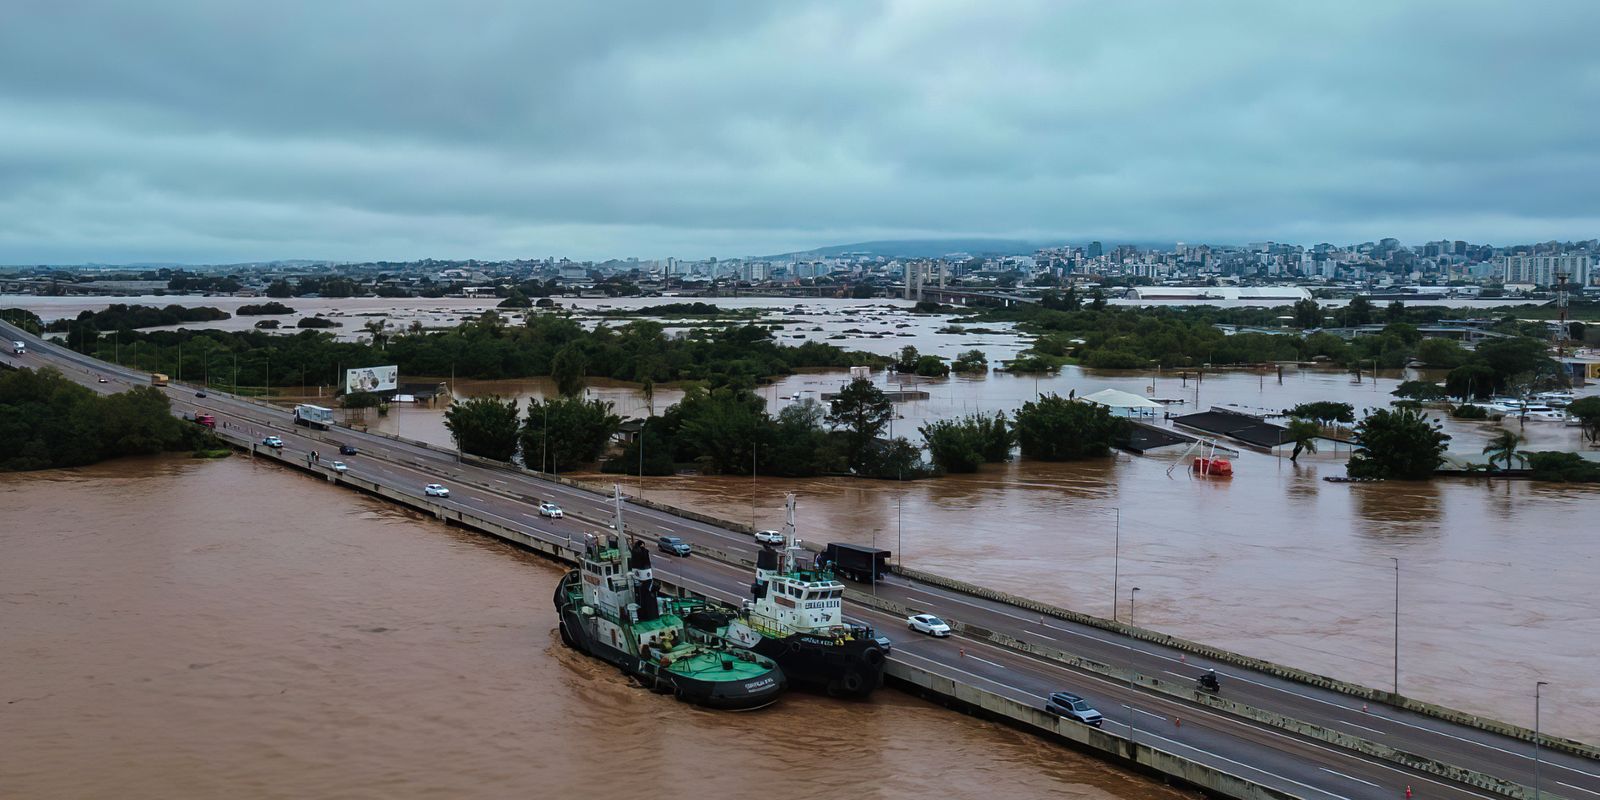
(1132, 595)
(1116, 562)
(1537, 685)
(1396, 624)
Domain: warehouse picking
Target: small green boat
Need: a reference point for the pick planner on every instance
(610, 608)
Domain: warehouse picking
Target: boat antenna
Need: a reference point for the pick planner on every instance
(790, 542)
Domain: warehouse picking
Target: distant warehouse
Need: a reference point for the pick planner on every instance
(1275, 294)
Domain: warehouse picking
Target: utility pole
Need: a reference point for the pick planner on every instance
(1116, 563)
(1396, 625)
(1133, 594)
(1537, 685)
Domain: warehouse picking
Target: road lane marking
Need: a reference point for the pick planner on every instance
(1579, 788)
(1362, 727)
(986, 661)
(1226, 719)
(1350, 777)
(1156, 653)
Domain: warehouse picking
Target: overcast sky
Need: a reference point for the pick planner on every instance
(209, 131)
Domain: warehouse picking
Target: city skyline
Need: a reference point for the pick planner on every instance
(158, 134)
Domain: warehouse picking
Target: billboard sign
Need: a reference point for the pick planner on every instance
(372, 379)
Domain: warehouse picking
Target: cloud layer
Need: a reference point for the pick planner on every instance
(213, 132)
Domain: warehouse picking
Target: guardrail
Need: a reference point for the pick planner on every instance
(1173, 690)
(1289, 673)
(918, 680)
(1295, 674)
(1125, 750)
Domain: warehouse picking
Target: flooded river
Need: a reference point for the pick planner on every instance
(177, 628)
(1496, 576)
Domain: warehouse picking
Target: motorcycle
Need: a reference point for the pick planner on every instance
(1208, 683)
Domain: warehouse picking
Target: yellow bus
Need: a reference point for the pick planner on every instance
(158, 379)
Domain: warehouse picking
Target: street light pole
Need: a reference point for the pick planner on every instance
(899, 531)
(1537, 685)
(1132, 594)
(1116, 563)
(1396, 625)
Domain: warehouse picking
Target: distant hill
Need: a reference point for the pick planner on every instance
(924, 248)
(931, 248)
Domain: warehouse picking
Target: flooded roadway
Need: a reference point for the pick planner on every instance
(180, 628)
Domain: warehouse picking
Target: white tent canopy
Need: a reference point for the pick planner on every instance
(1118, 400)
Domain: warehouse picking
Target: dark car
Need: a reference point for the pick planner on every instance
(1067, 704)
(201, 393)
(673, 545)
(347, 449)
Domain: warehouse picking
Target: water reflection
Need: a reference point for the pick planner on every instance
(1402, 508)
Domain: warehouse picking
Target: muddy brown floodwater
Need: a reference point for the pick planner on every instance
(1497, 577)
(176, 628)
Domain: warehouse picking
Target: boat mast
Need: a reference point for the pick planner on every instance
(790, 543)
(616, 518)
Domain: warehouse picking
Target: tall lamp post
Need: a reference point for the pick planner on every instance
(1133, 594)
(1537, 685)
(1116, 563)
(1396, 624)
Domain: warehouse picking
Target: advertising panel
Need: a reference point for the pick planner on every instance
(372, 379)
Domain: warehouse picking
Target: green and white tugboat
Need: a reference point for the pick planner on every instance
(796, 617)
(610, 608)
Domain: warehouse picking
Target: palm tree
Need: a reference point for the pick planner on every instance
(1303, 433)
(1503, 448)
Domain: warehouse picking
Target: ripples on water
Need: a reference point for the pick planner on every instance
(173, 628)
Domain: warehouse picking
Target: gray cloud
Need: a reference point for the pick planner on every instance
(205, 131)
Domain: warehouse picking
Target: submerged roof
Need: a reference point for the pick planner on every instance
(1116, 398)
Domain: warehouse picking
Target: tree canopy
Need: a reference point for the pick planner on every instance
(1054, 428)
(1399, 443)
(484, 426)
(48, 421)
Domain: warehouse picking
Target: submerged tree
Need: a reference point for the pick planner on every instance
(1401, 443)
(1304, 434)
(1502, 447)
(1054, 428)
(862, 411)
(560, 434)
(484, 426)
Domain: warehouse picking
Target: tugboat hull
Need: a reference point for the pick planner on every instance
(852, 668)
(578, 633)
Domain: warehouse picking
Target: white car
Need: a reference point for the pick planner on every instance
(272, 441)
(769, 537)
(550, 510)
(435, 490)
(929, 624)
(340, 467)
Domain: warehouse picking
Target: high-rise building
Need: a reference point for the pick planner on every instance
(1095, 250)
(1542, 270)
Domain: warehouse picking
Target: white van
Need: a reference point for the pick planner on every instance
(19, 348)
